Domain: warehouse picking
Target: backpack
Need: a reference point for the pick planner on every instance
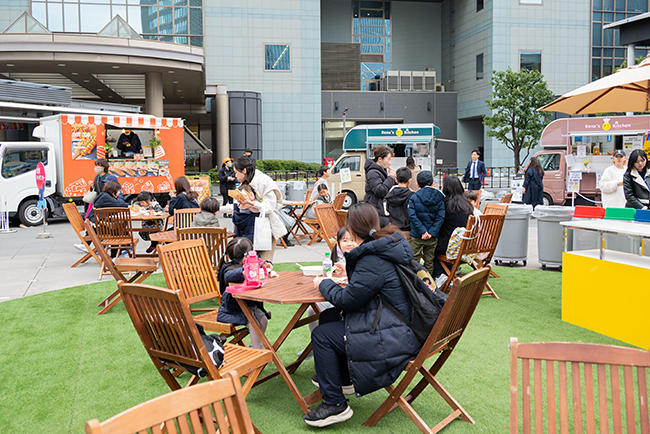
(425, 300)
(216, 351)
(254, 272)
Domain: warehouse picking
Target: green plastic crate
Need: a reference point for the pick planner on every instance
(620, 214)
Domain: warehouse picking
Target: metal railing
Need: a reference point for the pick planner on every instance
(498, 177)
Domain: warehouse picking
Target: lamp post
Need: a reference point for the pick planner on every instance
(345, 112)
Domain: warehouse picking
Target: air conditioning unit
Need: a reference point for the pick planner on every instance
(391, 81)
(440, 87)
(405, 81)
(430, 81)
(417, 80)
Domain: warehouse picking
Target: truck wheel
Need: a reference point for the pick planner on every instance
(29, 214)
(350, 199)
(548, 200)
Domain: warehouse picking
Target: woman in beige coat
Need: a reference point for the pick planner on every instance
(268, 200)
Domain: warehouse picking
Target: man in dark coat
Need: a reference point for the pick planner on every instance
(129, 142)
(378, 183)
(371, 359)
(227, 180)
(475, 172)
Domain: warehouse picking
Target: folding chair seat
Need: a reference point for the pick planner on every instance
(186, 266)
(142, 268)
(77, 223)
(612, 382)
(463, 298)
(218, 404)
(170, 336)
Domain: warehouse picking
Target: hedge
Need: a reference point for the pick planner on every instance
(270, 165)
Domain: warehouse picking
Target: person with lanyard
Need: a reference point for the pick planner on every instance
(635, 181)
(475, 172)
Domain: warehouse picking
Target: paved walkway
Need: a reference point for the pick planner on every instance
(29, 265)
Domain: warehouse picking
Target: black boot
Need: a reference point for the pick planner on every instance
(286, 241)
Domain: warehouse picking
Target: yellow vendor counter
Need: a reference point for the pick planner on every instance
(607, 291)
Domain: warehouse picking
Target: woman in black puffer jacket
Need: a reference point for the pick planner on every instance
(345, 349)
(636, 180)
(380, 178)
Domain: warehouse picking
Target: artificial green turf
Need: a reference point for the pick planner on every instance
(63, 364)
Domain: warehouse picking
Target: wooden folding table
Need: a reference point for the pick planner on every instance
(298, 216)
(290, 287)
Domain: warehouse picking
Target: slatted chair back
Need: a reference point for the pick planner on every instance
(216, 241)
(183, 218)
(495, 208)
(485, 243)
(461, 303)
(602, 388)
(328, 221)
(338, 201)
(467, 246)
(77, 223)
(113, 226)
(506, 198)
(308, 194)
(170, 336)
(219, 403)
(187, 268)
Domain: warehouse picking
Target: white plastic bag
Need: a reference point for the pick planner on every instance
(262, 236)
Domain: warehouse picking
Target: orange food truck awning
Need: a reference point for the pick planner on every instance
(124, 121)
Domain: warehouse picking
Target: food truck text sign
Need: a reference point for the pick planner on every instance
(40, 184)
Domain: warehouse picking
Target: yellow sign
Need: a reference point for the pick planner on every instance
(399, 132)
(606, 124)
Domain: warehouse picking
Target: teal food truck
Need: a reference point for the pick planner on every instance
(404, 140)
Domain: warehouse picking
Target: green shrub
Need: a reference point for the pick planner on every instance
(214, 175)
(271, 165)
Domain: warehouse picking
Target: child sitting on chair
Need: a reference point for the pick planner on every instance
(146, 202)
(473, 199)
(233, 272)
(322, 197)
(208, 214)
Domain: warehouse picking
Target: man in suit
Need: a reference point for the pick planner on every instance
(475, 172)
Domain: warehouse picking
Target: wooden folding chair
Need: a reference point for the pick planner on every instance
(183, 218)
(328, 222)
(77, 223)
(186, 266)
(598, 374)
(216, 404)
(506, 198)
(338, 201)
(167, 330)
(451, 266)
(308, 194)
(115, 231)
(216, 241)
(443, 339)
(142, 267)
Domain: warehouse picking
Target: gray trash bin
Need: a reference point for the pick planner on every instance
(582, 240)
(513, 243)
(296, 190)
(282, 186)
(550, 234)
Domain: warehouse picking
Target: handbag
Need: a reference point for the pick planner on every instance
(90, 196)
(262, 236)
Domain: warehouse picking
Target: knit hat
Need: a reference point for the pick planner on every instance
(425, 178)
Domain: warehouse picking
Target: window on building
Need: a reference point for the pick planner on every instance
(479, 66)
(531, 2)
(479, 5)
(531, 60)
(371, 29)
(177, 21)
(277, 57)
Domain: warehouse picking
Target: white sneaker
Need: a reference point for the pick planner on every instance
(440, 280)
(81, 248)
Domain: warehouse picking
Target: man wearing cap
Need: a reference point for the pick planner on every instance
(475, 172)
(611, 182)
(227, 180)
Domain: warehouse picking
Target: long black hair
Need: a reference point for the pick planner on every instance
(236, 250)
(363, 221)
(339, 236)
(242, 163)
(455, 200)
(535, 164)
(634, 156)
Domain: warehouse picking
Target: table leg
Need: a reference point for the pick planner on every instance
(276, 360)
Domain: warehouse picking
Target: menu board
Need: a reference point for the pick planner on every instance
(84, 141)
(138, 168)
(201, 185)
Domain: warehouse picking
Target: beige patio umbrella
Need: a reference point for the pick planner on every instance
(626, 90)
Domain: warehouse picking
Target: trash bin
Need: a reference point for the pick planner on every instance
(514, 247)
(550, 234)
(282, 186)
(296, 190)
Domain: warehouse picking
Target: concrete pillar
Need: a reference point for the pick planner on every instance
(223, 123)
(153, 94)
(630, 62)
